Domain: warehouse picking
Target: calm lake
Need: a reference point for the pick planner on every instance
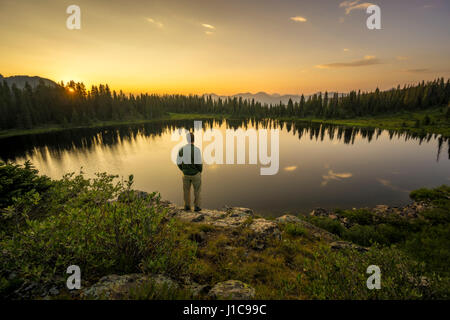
(319, 165)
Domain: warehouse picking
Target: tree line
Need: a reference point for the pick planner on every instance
(90, 137)
(73, 104)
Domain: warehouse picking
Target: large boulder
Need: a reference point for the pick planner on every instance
(262, 231)
(265, 228)
(232, 289)
(230, 217)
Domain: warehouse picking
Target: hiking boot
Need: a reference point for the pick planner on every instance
(187, 208)
(198, 209)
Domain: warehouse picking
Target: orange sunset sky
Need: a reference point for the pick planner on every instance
(227, 47)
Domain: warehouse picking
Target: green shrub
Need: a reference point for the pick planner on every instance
(22, 191)
(17, 180)
(438, 195)
(100, 236)
(363, 235)
(360, 216)
(294, 229)
(328, 224)
(431, 245)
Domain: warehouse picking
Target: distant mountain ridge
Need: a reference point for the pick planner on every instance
(266, 98)
(262, 97)
(20, 81)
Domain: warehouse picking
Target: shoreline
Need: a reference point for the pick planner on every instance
(403, 122)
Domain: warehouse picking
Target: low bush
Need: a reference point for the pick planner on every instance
(17, 180)
(294, 229)
(328, 224)
(85, 228)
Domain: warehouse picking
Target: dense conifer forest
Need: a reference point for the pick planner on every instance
(72, 104)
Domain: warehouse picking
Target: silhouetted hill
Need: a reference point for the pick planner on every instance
(20, 81)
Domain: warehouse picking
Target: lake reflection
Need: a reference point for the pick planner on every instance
(320, 165)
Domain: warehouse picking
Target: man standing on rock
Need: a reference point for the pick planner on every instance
(189, 161)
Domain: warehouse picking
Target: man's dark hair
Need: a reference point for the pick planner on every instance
(190, 137)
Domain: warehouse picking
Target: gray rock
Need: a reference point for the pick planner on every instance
(381, 208)
(265, 228)
(288, 218)
(119, 287)
(230, 218)
(239, 212)
(320, 212)
(232, 289)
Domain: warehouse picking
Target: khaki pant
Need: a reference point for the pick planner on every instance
(196, 181)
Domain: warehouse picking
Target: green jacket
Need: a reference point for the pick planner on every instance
(190, 168)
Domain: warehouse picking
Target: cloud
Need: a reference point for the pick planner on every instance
(401, 58)
(209, 32)
(298, 19)
(156, 23)
(335, 176)
(367, 61)
(346, 50)
(354, 5)
(290, 168)
(208, 26)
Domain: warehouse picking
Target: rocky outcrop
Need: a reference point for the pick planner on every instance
(288, 218)
(265, 228)
(410, 211)
(114, 287)
(232, 289)
(36, 290)
(230, 217)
